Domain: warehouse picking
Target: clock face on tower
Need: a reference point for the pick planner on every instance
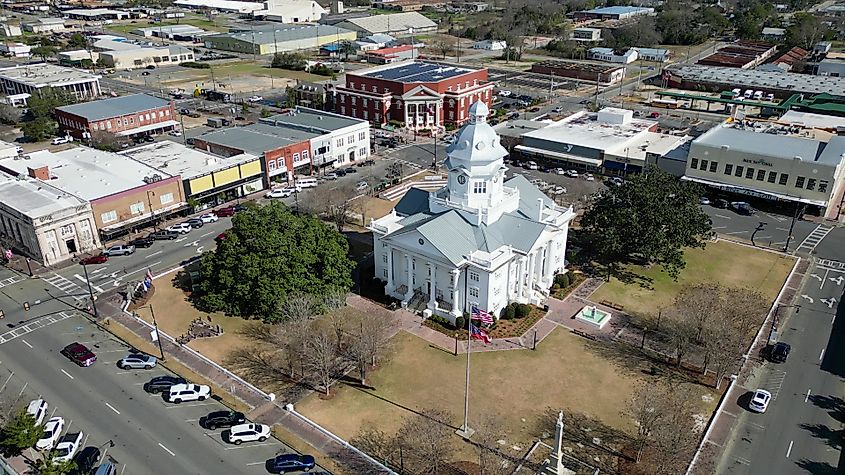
(462, 179)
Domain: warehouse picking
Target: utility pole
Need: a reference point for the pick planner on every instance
(596, 100)
(91, 293)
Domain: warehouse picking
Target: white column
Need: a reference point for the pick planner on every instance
(520, 276)
(409, 282)
(532, 264)
(550, 261)
(457, 309)
(390, 286)
(432, 271)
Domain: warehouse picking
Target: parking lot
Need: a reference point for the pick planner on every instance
(515, 79)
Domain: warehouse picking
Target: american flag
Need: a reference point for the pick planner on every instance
(479, 334)
(478, 314)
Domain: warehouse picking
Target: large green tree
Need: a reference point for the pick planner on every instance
(271, 253)
(650, 218)
(39, 123)
(48, 465)
(20, 433)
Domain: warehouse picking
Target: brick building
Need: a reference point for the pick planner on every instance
(126, 116)
(418, 94)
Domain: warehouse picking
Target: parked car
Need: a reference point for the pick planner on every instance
(52, 430)
(184, 111)
(175, 133)
(164, 234)
(246, 433)
(98, 259)
(240, 207)
(350, 170)
(278, 193)
(331, 176)
(107, 468)
(195, 223)
(286, 463)
(62, 140)
(720, 203)
(534, 109)
(151, 66)
(760, 401)
(209, 218)
(361, 186)
(557, 110)
(226, 212)
(615, 181)
(67, 447)
(79, 354)
(216, 419)
(255, 99)
(559, 171)
(531, 165)
(504, 93)
(188, 392)
(780, 352)
(120, 250)
(741, 207)
(37, 409)
(572, 173)
(161, 384)
(86, 460)
(181, 228)
(220, 237)
(589, 177)
(142, 242)
(654, 115)
(340, 172)
(149, 139)
(137, 361)
(704, 200)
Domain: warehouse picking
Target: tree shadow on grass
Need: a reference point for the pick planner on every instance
(622, 273)
(832, 438)
(637, 361)
(400, 406)
(587, 437)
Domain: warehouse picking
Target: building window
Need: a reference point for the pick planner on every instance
(167, 112)
(384, 258)
(479, 187)
(343, 110)
(451, 115)
(693, 163)
(354, 100)
(305, 154)
(473, 292)
(339, 143)
(784, 177)
(799, 182)
(350, 140)
(362, 153)
(296, 157)
(738, 171)
(109, 217)
(136, 208)
(703, 166)
(362, 135)
(822, 186)
(166, 198)
(728, 169)
(384, 272)
(714, 166)
(761, 175)
(749, 173)
(271, 165)
(811, 184)
(773, 177)
(366, 115)
(67, 230)
(473, 276)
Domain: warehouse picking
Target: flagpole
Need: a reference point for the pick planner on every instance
(465, 431)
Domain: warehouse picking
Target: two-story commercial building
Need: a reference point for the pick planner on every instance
(417, 94)
(125, 116)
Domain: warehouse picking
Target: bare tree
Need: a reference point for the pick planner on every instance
(647, 411)
(379, 445)
(676, 436)
(292, 340)
(488, 431)
(698, 304)
(331, 202)
(681, 335)
(299, 305)
(320, 355)
(426, 441)
(368, 334)
(334, 300)
(444, 46)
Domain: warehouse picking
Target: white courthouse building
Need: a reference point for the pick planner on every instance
(479, 241)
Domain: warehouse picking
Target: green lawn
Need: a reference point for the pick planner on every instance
(250, 68)
(730, 264)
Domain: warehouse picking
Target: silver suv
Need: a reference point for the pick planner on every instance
(136, 361)
(121, 250)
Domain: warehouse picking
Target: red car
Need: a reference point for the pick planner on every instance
(98, 259)
(654, 115)
(221, 236)
(79, 354)
(225, 212)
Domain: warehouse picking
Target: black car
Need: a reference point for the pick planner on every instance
(184, 111)
(196, 223)
(152, 66)
(86, 460)
(222, 419)
(780, 352)
(340, 172)
(142, 242)
(163, 234)
(720, 203)
(286, 463)
(161, 384)
(149, 138)
(240, 207)
(741, 207)
(350, 170)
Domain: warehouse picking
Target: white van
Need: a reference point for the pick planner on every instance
(306, 182)
(758, 95)
(748, 93)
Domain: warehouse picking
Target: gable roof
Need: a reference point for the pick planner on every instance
(415, 201)
(114, 107)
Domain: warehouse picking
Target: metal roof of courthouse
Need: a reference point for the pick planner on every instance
(114, 107)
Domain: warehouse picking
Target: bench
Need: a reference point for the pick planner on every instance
(612, 305)
(584, 334)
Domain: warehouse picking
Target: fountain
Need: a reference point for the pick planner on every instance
(593, 316)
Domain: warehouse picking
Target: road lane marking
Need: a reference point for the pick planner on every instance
(743, 461)
(251, 464)
(821, 355)
(166, 449)
(112, 408)
(788, 451)
(207, 234)
(722, 216)
(153, 254)
(736, 232)
(807, 397)
(263, 444)
(66, 374)
(25, 343)
(98, 289)
(826, 272)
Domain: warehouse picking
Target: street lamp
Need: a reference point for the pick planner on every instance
(90, 291)
(152, 213)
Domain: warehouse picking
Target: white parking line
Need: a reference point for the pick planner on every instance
(256, 463)
(66, 373)
(25, 343)
(176, 406)
(789, 450)
(821, 355)
(264, 444)
(113, 409)
(722, 216)
(207, 234)
(807, 397)
(153, 254)
(166, 449)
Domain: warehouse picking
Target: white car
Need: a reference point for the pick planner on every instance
(532, 166)
(572, 173)
(361, 186)
(209, 218)
(52, 430)
(331, 176)
(61, 140)
(255, 99)
(247, 433)
(175, 133)
(278, 193)
(67, 447)
(760, 401)
(181, 228)
(558, 190)
(188, 392)
(560, 171)
(589, 177)
(38, 410)
(504, 93)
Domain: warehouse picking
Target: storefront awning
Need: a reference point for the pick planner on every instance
(769, 195)
(147, 128)
(558, 155)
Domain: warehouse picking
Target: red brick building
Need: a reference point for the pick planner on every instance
(125, 116)
(418, 94)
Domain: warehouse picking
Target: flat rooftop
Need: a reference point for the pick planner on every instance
(178, 159)
(417, 71)
(577, 66)
(115, 106)
(258, 138)
(745, 78)
(773, 140)
(46, 74)
(312, 120)
(283, 33)
(583, 129)
(86, 173)
(811, 120)
(95, 12)
(34, 198)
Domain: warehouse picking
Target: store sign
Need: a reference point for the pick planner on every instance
(757, 162)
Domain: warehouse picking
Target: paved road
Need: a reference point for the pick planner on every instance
(773, 228)
(106, 403)
(802, 430)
